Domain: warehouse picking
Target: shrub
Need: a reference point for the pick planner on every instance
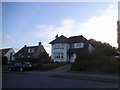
(4, 60)
(37, 67)
(80, 65)
(83, 55)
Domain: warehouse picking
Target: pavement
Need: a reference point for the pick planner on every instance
(61, 72)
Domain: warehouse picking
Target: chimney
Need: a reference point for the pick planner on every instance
(39, 43)
(56, 36)
(25, 46)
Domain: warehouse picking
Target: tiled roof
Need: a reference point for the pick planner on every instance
(61, 39)
(74, 39)
(77, 39)
(4, 51)
(24, 51)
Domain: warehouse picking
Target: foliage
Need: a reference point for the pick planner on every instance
(82, 61)
(104, 47)
(44, 57)
(50, 66)
(80, 65)
(37, 66)
(101, 59)
(4, 60)
(83, 55)
(31, 60)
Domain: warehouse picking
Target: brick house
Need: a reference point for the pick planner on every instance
(32, 52)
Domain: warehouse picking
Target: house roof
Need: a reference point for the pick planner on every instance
(24, 50)
(4, 51)
(61, 39)
(73, 39)
(77, 39)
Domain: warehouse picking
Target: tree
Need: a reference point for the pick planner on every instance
(99, 59)
(104, 47)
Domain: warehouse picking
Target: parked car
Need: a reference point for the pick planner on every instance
(20, 66)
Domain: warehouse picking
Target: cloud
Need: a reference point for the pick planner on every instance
(47, 47)
(102, 27)
(6, 37)
(49, 31)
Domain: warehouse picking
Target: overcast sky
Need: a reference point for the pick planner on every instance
(33, 22)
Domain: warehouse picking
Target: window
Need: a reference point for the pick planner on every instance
(19, 55)
(31, 50)
(72, 45)
(29, 56)
(79, 45)
(22, 56)
(58, 46)
(58, 56)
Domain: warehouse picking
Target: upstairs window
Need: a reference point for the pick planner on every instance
(31, 50)
(78, 45)
(71, 45)
(58, 46)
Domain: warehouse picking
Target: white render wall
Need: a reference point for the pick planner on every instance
(72, 58)
(60, 50)
(90, 48)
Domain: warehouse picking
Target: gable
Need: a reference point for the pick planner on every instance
(61, 39)
(4, 51)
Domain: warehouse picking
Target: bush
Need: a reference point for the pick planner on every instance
(31, 60)
(37, 67)
(4, 60)
(96, 61)
(80, 65)
(50, 66)
(84, 55)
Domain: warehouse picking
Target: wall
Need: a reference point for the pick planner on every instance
(60, 50)
(90, 48)
(8, 54)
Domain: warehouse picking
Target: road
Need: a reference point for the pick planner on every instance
(27, 80)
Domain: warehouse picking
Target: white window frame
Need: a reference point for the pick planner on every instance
(58, 56)
(31, 50)
(78, 45)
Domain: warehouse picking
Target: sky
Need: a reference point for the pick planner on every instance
(28, 23)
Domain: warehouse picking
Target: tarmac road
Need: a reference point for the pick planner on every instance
(29, 80)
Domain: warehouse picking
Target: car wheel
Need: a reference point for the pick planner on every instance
(21, 69)
(9, 69)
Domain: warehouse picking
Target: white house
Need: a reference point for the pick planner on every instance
(8, 52)
(65, 49)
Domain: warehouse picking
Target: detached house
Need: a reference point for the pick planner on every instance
(8, 52)
(65, 49)
(30, 52)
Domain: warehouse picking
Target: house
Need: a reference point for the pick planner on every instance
(32, 52)
(65, 49)
(8, 52)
